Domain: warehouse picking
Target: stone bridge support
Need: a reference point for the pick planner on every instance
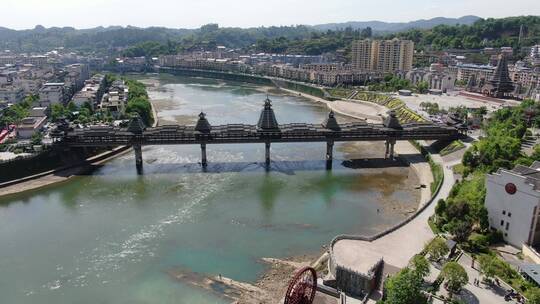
(138, 158)
(204, 161)
(329, 154)
(389, 153)
(267, 153)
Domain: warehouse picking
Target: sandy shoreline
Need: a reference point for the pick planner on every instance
(372, 113)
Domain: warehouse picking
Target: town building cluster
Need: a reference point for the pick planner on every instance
(372, 60)
(56, 77)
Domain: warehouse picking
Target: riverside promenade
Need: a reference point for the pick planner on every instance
(398, 246)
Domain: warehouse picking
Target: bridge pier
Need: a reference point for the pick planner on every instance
(204, 162)
(390, 144)
(329, 154)
(267, 153)
(389, 153)
(138, 158)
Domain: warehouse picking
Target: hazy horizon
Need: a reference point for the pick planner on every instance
(26, 14)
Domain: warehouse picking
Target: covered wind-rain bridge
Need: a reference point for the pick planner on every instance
(266, 131)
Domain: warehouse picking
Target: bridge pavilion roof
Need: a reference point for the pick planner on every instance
(267, 120)
(331, 122)
(202, 124)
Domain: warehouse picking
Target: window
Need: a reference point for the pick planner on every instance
(506, 234)
(504, 212)
(507, 224)
(502, 222)
(509, 214)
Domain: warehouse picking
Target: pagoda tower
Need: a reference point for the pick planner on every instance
(500, 83)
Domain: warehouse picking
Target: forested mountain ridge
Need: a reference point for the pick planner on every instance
(483, 33)
(300, 39)
(379, 26)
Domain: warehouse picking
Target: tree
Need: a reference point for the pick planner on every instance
(440, 208)
(72, 107)
(57, 111)
(419, 265)
(37, 138)
(404, 288)
(437, 249)
(461, 229)
(455, 276)
(143, 108)
(422, 87)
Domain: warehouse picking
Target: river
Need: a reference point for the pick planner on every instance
(116, 237)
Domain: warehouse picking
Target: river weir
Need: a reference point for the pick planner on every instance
(113, 236)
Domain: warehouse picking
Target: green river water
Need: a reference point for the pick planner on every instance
(116, 237)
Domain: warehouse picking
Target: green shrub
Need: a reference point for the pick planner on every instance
(478, 242)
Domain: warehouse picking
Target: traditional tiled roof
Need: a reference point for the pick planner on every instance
(136, 125)
(202, 124)
(267, 120)
(500, 81)
(392, 121)
(331, 122)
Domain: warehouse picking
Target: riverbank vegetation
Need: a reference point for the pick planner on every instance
(16, 113)
(463, 214)
(138, 101)
(454, 146)
(406, 286)
(403, 113)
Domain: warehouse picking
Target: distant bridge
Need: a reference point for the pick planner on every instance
(266, 131)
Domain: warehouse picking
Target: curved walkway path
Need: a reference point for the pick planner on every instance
(399, 246)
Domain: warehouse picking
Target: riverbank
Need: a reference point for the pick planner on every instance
(61, 175)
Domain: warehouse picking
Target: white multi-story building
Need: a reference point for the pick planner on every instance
(76, 75)
(441, 81)
(463, 72)
(513, 204)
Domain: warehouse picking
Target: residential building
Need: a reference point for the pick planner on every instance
(513, 205)
(362, 58)
(441, 81)
(386, 56)
(51, 93)
(535, 55)
(11, 94)
(76, 75)
(464, 72)
(32, 124)
(325, 67)
(91, 93)
(115, 101)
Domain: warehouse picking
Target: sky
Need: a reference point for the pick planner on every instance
(24, 14)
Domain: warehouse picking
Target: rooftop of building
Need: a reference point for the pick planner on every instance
(31, 122)
(532, 271)
(531, 174)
